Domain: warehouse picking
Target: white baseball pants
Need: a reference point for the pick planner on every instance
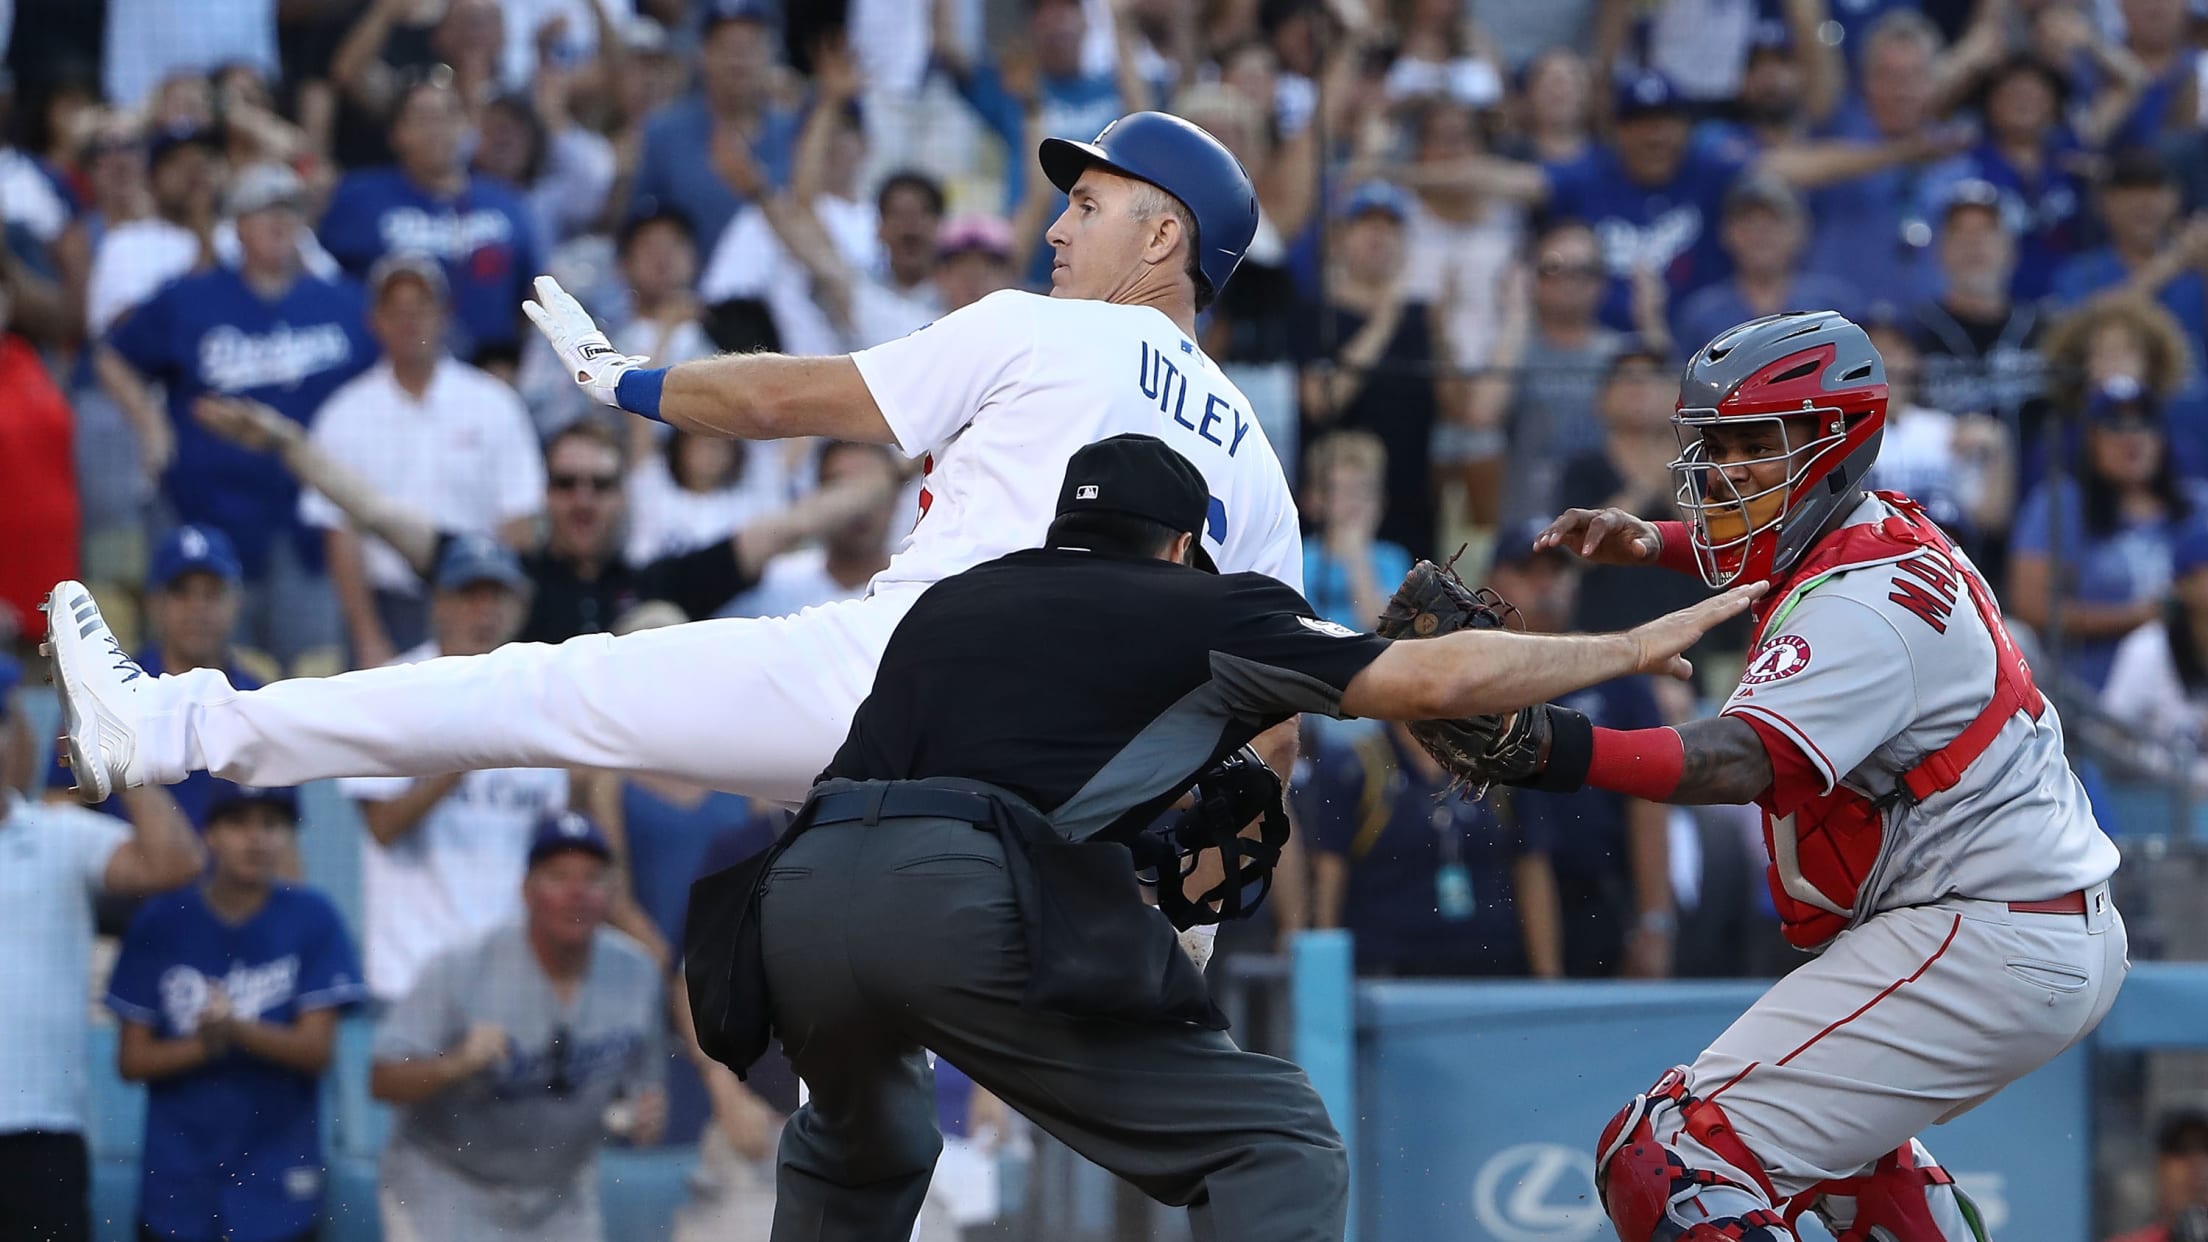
(1915, 1017)
(754, 706)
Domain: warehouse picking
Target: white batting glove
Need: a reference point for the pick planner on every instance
(587, 354)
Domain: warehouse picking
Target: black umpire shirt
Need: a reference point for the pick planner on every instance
(1093, 686)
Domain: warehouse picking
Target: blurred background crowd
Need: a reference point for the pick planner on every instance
(264, 383)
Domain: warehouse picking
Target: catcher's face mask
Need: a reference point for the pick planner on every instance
(1738, 477)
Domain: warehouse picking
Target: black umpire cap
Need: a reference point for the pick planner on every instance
(1140, 476)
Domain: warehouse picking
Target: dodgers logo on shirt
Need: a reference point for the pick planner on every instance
(1780, 658)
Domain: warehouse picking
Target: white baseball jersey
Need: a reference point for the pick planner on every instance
(997, 396)
(1874, 668)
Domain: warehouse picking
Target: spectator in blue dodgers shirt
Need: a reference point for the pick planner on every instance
(734, 109)
(2099, 546)
(508, 1055)
(479, 229)
(1764, 230)
(2158, 679)
(2147, 254)
(430, 431)
(228, 993)
(1429, 884)
(268, 330)
(1653, 197)
(442, 854)
(1978, 341)
(55, 859)
(193, 591)
(2034, 158)
(1609, 853)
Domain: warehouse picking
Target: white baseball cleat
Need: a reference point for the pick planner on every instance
(99, 694)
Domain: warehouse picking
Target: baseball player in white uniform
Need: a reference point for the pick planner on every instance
(1926, 837)
(993, 399)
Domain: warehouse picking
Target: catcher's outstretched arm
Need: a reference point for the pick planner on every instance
(1487, 672)
(1724, 763)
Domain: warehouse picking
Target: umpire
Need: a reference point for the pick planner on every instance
(961, 878)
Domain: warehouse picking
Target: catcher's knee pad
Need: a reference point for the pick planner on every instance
(1670, 1169)
(1906, 1197)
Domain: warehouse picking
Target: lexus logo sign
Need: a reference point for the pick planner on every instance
(1538, 1192)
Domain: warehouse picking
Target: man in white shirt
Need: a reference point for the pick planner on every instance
(447, 439)
(444, 855)
(993, 399)
(54, 859)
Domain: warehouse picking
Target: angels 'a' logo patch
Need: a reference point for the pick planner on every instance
(1319, 625)
(1776, 660)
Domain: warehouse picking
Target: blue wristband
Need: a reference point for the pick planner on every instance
(638, 392)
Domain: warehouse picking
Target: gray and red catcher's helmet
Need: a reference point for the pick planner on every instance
(1811, 364)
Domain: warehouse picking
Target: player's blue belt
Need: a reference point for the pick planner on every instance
(882, 800)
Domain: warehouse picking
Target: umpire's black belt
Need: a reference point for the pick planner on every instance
(876, 801)
(1094, 950)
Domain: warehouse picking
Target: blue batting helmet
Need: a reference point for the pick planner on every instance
(1185, 162)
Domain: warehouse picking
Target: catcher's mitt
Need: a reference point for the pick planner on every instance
(1477, 751)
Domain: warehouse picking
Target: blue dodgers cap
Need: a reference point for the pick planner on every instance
(568, 830)
(1181, 159)
(2118, 396)
(193, 549)
(1647, 93)
(228, 797)
(470, 559)
(1380, 196)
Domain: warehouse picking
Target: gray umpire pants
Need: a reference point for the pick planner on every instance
(882, 941)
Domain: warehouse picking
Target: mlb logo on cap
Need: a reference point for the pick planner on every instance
(1087, 491)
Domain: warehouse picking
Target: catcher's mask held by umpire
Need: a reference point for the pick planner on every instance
(1778, 420)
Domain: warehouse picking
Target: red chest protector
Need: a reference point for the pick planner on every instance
(1822, 854)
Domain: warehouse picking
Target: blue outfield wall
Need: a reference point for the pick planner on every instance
(1477, 1105)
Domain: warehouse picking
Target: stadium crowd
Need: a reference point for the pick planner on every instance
(268, 389)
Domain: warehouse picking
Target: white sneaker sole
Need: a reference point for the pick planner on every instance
(90, 731)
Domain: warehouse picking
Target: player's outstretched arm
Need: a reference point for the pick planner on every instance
(1487, 672)
(1724, 763)
(741, 396)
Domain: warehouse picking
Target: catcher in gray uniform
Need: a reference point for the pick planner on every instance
(1926, 838)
